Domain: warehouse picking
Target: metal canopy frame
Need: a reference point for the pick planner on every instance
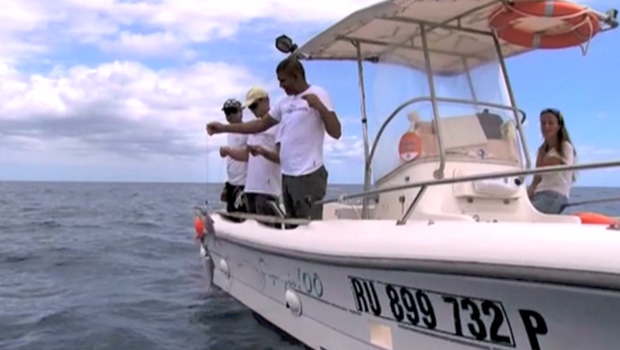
(388, 10)
(424, 28)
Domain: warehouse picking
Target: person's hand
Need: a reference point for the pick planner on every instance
(256, 150)
(215, 128)
(223, 152)
(530, 191)
(313, 100)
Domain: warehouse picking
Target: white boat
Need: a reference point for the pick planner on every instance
(452, 254)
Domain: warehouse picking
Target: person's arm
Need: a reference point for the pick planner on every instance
(567, 158)
(325, 107)
(238, 154)
(552, 160)
(536, 180)
(272, 155)
(534, 184)
(252, 127)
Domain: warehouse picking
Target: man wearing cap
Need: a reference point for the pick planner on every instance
(236, 170)
(263, 183)
(305, 115)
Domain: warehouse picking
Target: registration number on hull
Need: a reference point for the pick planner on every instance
(450, 315)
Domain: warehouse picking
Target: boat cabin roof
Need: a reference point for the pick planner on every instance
(393, 25)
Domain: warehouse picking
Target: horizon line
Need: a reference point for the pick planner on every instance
(194, 183)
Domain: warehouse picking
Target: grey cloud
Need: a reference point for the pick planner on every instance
(122, 108)
(105, 131)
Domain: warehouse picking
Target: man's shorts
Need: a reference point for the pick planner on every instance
(300, 192)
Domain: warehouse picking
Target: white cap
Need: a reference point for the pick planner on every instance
(255, 93)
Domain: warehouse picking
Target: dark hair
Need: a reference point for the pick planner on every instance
(291, 64)
(562, 134)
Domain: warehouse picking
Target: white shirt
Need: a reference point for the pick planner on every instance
(264, 176)
(302, 132)
(237, 170)
(560, 182)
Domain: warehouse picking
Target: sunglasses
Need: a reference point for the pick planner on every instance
(229, 111)
(553, 111)
(255, 104)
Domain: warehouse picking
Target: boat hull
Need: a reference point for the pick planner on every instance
(340, 307)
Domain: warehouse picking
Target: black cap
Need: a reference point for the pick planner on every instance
(232, 103)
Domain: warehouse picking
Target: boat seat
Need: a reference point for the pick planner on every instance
(495, 147)
(504, 188)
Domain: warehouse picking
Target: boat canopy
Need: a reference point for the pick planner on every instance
(453, 29)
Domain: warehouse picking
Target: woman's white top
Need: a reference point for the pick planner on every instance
(562, 181)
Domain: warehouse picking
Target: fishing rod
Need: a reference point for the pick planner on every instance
(591, 201)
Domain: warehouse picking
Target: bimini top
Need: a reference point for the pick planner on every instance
(390, 31)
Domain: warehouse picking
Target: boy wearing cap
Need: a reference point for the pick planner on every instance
(236, 170)
(263, 183)
(305, 115)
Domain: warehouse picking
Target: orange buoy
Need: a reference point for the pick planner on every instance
(589, 218)
(410, 146)
(582, 25)
(199, 226)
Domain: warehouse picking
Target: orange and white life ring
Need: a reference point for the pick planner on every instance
(410, 146)
(589, 218)
(583, 24)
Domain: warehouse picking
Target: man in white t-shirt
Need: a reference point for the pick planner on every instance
(236, 170)
(263, 181)
(305, 114)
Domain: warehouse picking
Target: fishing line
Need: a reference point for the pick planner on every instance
(222, 167)
(207, 173)
(208, 163)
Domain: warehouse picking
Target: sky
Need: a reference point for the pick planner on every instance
(108, 90)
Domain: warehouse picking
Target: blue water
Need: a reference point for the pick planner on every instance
(115, 266)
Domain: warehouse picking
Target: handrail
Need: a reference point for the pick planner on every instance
(412, 206)
(445, 181)
(398, 109)
(487, 176)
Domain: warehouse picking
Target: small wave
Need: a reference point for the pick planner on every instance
(146, 224)
(20, 258)
(62, 317)
(30, 209)
(50, 224)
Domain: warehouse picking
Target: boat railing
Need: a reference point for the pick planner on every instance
(288, 223)
(518, 174)
(285, 45)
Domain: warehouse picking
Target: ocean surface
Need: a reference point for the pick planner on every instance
(94, 266)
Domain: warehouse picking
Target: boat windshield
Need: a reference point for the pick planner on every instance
(476, 119)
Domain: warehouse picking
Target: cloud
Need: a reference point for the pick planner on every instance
(124, 108)
(29, 28)
(157, 44)
(60, 104)
(347, 148)
(588, 153)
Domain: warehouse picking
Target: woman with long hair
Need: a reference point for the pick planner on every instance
(549, 192)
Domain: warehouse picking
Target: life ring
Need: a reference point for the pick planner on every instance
(410, 146)
(589, 218)
(584, 24)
